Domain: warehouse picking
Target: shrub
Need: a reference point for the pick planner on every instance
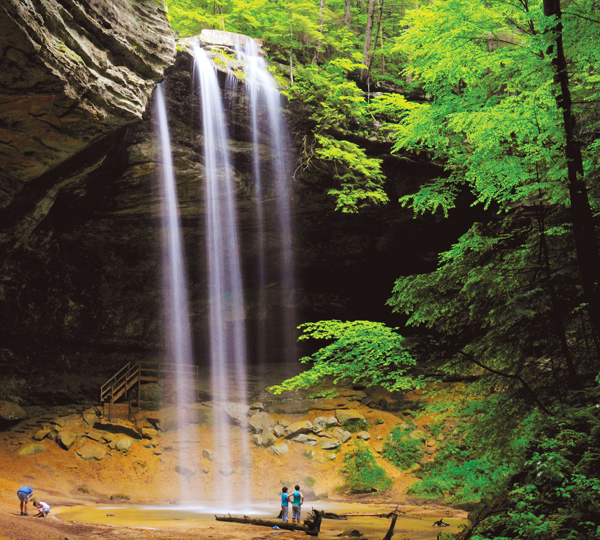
(362, 473)
(402, 450)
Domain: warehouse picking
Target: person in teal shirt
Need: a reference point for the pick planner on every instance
(284, 504)
(297, 500)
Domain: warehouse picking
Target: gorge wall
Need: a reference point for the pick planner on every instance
(80, 265)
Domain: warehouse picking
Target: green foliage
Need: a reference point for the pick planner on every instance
(361, 351)
(401, 449)
(362, 474)
(354, 426)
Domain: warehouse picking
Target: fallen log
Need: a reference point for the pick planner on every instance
(390, 532)
(311, 527)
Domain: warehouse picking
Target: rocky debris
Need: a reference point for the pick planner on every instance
(238, 412)
(341, 434)
(41, 434)
(325, 421)
(149, 433)
(279, 431)
(66, 438)
(31, 449)
(121, 443)
(260, 422)
(209, 454)
(91, 451)
(330, 445)
(348, 416)
(90, 417)
(303, 426)
(364, 435)
(11, 412)
(279, 449)
(118, 428)
(303, 438)
(185, 471)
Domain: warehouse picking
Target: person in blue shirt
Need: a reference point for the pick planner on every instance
(24, 493)
(284, 504)
(297, 500)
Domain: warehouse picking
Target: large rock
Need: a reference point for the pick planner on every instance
(330, 445)
(11, 411)
(66, 438)
(279, 449)
(341, 434)
(303, 438)
(348, 416)
(260, 422)
(119, 428)
(238, 412)
(71, 72)
(303, 426)
(91, 451)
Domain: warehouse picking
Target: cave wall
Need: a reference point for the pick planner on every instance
(79, 226)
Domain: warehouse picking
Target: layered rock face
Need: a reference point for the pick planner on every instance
(80, 230)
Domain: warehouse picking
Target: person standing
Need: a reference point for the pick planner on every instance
(284, 504)
(24, 493)
(297, 500)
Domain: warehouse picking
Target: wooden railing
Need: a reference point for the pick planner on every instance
(141, 372)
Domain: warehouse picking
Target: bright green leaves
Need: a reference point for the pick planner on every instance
(361, 472)
(362, 351)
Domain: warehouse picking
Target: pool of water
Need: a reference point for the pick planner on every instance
(415, 524)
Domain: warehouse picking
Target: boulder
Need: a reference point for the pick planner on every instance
(364, 435)
(325, 421)
(304, 426)
(209, 454)
(94, 435)
(279, 431)
(330, 445)
(279, 449)
(119, 428)
(149, 433)
(91, 451)
(257, 439)
(238, 412)
(31, 449)
(419, 435)
(303, 438)
(66, 438)
(282, 422)
(122, 444)
(90, 418)
(257, 406)
(11, 411)
(341, 434)
(348, 416)
(260, 422)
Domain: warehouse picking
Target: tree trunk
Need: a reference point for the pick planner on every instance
(347, 15)
(321, 10)
(368, 37)
(586, 246)
(376, 38)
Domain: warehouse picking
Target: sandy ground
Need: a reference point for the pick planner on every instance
(146, 476)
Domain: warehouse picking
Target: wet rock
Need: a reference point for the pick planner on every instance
(260, 422)
(364, 435)
(209, 454)
(185, 471)
(330, 445)
(304, 426)
(91, 451)
(41, 434)
(279, 431)
(66, 438)
(303, 438)
(279, 449)
(32, 449)
(348, 416)
(11, 411)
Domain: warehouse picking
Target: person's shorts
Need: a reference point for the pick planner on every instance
(296, 511)
(23, 496)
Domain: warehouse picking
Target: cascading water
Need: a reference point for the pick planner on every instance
(227, 332)
(177, 320)
(263, 93)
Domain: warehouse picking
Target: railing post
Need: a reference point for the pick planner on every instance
(139, 381)
(112, 393)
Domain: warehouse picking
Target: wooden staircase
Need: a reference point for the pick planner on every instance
(136, 374)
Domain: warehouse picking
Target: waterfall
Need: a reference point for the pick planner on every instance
(227, 332)
(263, 94)
(177, 320)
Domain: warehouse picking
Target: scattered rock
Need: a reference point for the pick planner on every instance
(303, 438)
(41, 434)
(364, 435)
(238, 412)
(283, 423)
(257, 439)
(66, 438)
(348, 416)
(341, 434)
(91, 451)
(279, 431)
(122, 444)
(90, 418)
(32, 449)
(149, 433)
(257, 406)
(279, 449)
(330, 445)
(185, 472)
(94, 435)
(304, 426)
(209, 454)
(260, 422)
